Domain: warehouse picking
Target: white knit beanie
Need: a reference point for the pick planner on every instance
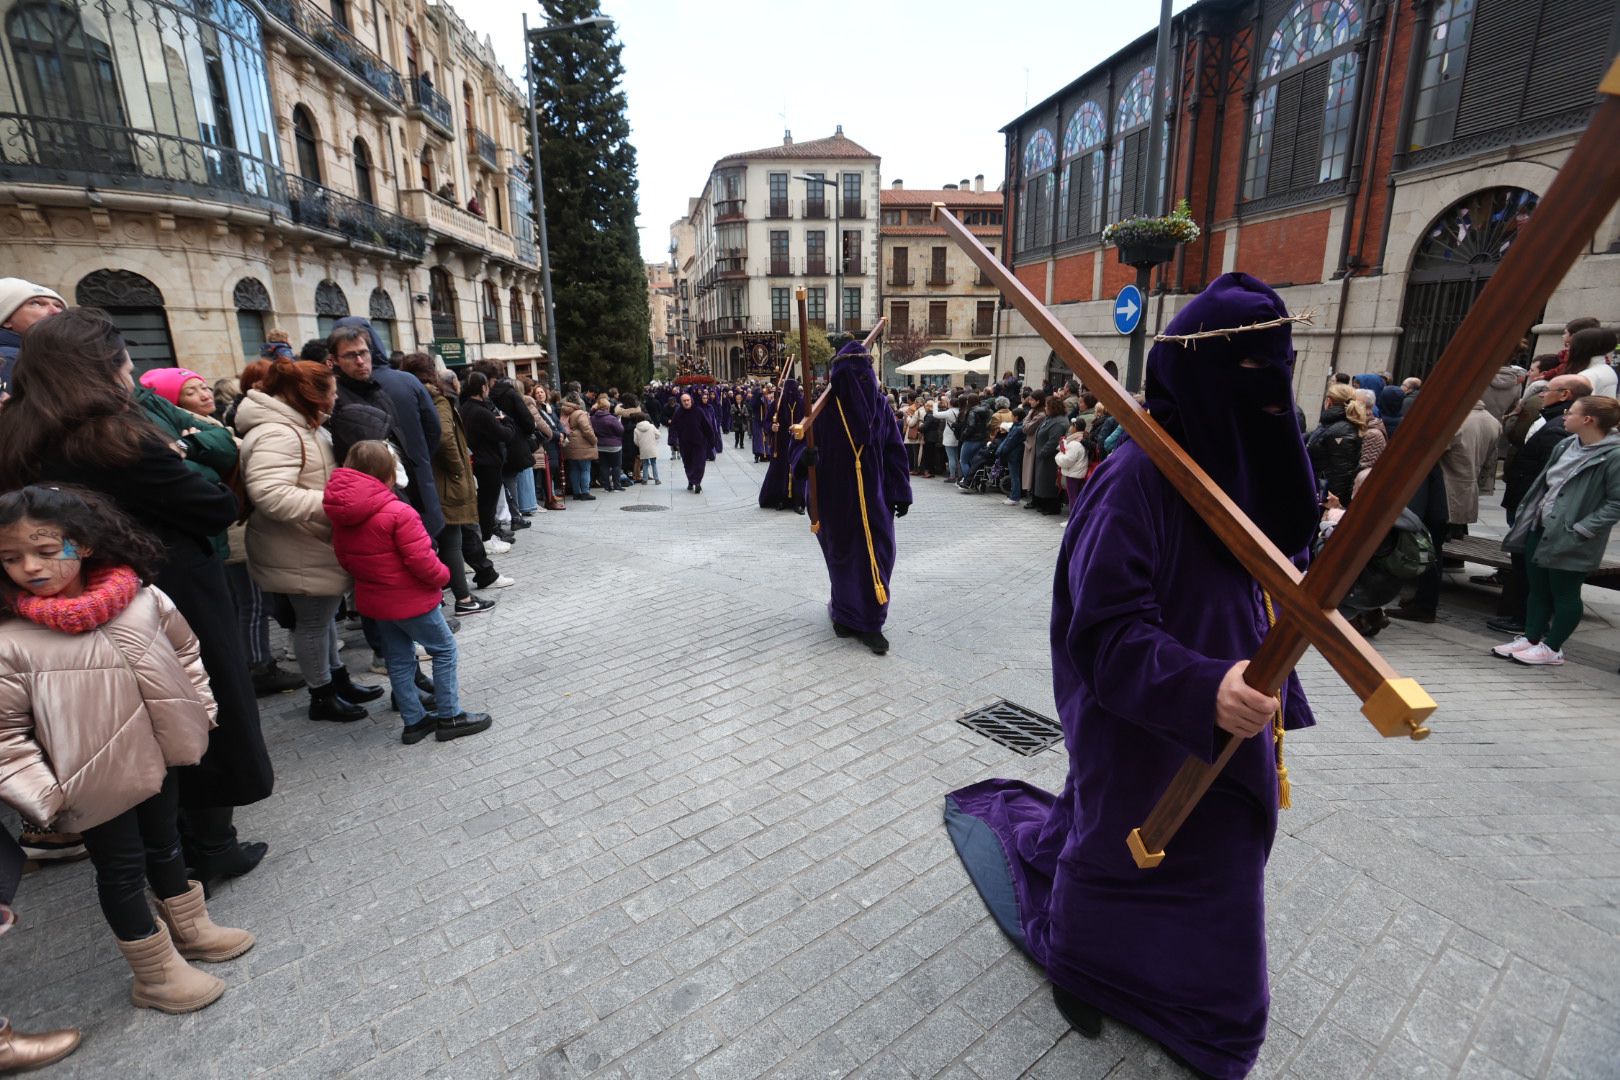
(15, 292)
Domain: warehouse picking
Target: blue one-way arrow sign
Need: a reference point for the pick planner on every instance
(1127, 309)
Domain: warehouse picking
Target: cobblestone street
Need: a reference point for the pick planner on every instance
(704, 840)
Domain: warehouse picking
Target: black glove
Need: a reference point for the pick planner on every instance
(810, 457)
(901, 508)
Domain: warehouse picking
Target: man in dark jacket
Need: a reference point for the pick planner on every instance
(416, 420)
(22, 304)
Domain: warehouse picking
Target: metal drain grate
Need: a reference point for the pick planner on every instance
(1014, 727)
(641, 508)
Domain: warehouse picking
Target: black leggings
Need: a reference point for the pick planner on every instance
(488, 478)
(139, 846)
(741, 433)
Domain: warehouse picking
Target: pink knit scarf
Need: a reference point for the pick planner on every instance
(108, 592)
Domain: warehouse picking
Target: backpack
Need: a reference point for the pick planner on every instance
(1412, 551)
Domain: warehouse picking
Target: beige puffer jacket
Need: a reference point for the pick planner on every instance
(285, 467)
(90, 723)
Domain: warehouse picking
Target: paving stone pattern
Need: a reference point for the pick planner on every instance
(703, 840)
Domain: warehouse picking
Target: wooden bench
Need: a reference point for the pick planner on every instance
(1487, 551)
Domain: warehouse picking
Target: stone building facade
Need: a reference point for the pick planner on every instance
(682, 261)
(759, 232)
(929, 284)
(1372, 160)
(662, 318)
(281, 173)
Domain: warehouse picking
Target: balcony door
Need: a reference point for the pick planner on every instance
(69, 88)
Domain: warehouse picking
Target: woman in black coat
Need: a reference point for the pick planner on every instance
(1335, 446)
(488, 438)
(71, 419)
(1043, 493)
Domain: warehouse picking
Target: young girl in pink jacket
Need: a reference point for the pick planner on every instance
(399, 582)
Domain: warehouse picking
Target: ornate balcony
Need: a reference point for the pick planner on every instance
(433, 106)
(45, 150)
(730, 208)
(731, 268)
(324, 209)
(481, 146)
(338, 45)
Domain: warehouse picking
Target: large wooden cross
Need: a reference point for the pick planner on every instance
(1576, 203)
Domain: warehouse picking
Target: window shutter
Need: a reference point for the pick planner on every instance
(1284, 134)
(1498, 68)
(1571, 53)
(1307, 165)
(1132, 173)
(1073, 226)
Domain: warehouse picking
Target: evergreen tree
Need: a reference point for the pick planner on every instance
(598, 279)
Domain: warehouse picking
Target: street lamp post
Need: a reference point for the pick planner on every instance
(532, 38)
(838, 244)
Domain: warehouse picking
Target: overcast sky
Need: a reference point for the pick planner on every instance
(926, 86)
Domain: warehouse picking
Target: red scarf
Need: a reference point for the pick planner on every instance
(108, 592)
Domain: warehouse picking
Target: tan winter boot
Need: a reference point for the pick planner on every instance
(163, 980)
(195, 935)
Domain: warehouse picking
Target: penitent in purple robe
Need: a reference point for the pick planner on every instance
(1149, 611)
(782, 488)
(692, 433)
(861, 478)
(758, 422)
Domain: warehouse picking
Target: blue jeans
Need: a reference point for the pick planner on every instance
(399, 638)
(649, 467)
(579, 478)
(527, 502)
(953, 462)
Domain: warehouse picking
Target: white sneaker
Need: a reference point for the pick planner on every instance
(1010, 502)
(496, 546)
(501, 582)
(378, 665)
(1517, 645)
(1539, 655)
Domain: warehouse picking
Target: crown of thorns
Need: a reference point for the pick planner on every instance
(1306, 317)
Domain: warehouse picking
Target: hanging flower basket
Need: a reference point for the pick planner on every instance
(1145, 242)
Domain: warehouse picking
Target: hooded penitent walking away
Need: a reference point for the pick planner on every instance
(1150, 613)
(782, 490)
(863, 484)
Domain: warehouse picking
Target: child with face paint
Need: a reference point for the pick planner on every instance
(102, 695)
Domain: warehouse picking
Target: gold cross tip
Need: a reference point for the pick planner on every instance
(1399, 707)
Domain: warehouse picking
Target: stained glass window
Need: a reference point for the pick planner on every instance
(1440, 85)
(1086, 129)
(1135, 106)
(1040, 152)
(1311, 28)
(1312, 111)
(1476, 230)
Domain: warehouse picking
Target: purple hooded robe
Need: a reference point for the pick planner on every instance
(1149, 611)
(712, 407)
(692, 433)
(861, 478)
(782, 488)
(758, 422)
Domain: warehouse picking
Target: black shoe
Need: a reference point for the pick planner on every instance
(876, 642)
(1407, 613)
(42, 845)
(351, 691)
(587, 497)
(415, 733)
(463, 724)
(269, 679)
(845, 631)
(1504, 624)
(798, 509)
(234, 861)
(522, 523)
(697, 489)
(1082, 1017)
(324, 704)
(423, 683)
(1494, 579)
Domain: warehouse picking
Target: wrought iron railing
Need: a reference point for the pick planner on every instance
(729, 208)
(526, 251)
(779, 268)
(816, 267)
(778, 209)
(49, 150)
(444, 326)
(815, 209)
(484, 148)
(433, 105)
(736, 266)
(900, 277)
(321, 208)
(338, 43)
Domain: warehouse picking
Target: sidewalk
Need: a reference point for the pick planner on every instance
(704, 840)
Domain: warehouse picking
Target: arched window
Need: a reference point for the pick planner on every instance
(492, 313)
(442, 304)
(515, 313)
(136, 307)
(1127, 171)
(1440, 85)
(1304, 108)
(330, 305)
(309, 154)
(381, 309)
(362, 172)
(538, 307)
(252, 301)
(69, 85)
(1081, 198)
(1040, 158)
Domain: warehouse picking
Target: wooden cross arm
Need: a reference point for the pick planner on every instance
(1304, 618)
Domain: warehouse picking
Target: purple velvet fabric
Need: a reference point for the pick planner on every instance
(691, 432)
(758, 422)
(1149, 611)
(860, 454)
(782, 487)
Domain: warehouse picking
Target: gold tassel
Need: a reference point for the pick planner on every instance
(1285, 790)
(882, 593)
